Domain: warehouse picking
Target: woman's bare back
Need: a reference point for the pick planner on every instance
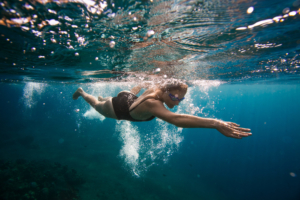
(139, 110)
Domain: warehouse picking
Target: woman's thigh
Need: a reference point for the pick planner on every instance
(106, 108)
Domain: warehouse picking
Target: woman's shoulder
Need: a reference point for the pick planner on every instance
(149, 91)
(148, 99)
(153, 102)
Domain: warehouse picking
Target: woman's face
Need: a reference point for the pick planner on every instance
(173, 97)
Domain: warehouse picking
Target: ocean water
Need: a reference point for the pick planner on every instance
(239, 58)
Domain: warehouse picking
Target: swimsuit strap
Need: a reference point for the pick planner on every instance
(140, 103)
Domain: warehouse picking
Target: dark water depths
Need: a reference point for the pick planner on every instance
(241, 67)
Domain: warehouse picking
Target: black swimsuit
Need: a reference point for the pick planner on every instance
(122, 103)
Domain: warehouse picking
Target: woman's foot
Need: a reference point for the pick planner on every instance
(77, 94)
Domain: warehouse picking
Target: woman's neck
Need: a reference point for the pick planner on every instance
(159, 95)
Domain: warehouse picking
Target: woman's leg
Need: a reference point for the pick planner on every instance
(105, 108)
(100, 98)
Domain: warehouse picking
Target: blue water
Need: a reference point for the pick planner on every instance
(241, 67)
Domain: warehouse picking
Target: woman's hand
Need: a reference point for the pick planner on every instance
(230, 129)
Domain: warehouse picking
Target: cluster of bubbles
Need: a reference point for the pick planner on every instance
(32, 92)
(143, 148)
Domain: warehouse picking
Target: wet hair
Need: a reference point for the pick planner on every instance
(173, 84)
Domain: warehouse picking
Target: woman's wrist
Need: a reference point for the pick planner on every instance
(217, 123)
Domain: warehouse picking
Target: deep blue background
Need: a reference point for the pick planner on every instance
(206, 165)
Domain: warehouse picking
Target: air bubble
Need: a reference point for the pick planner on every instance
(112, 44)
(286, 10)
(150, 33)
(293, 13)
(250, 10)
(292, 174)
(157, 70)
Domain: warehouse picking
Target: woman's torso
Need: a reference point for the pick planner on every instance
(139, 110)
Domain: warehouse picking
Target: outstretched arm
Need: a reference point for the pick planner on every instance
(229, 129)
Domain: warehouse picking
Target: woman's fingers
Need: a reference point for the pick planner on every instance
(242, 134)
(234, 130)
(243, 129)
(236, 136)
(238, 129)
(234, 124)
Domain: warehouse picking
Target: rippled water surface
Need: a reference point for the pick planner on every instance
(86, 40)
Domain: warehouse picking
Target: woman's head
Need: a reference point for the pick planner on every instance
(173, 84)
(173, 92)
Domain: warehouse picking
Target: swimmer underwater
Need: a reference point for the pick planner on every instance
(127, 106)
